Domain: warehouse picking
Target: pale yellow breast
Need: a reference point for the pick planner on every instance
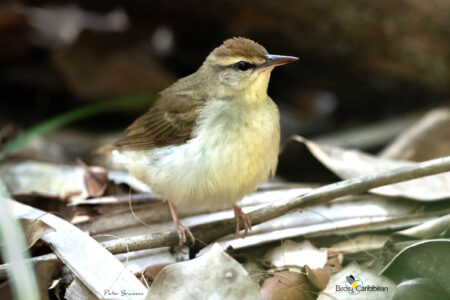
(234, 148)
(242, 144)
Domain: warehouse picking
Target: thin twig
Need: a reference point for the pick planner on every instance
(212, 231)
(376, 224)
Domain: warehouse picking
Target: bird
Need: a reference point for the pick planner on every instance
(211, 137)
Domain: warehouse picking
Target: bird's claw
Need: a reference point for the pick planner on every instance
(240, 215)
(182, 232)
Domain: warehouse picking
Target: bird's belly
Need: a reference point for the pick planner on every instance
(211, 170)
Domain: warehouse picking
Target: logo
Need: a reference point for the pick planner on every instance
(354, 285)
(352, 281)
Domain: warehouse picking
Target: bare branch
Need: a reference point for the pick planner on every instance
(209, 232)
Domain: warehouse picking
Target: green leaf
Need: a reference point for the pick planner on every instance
(429, 259)
(418, 289)
(21, 274)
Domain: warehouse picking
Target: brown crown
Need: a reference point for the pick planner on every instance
(240, 47)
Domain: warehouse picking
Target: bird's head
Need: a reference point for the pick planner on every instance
(242, 66)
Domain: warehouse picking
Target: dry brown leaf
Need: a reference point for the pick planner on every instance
(34, 230)
(430, 229)
(84, 256)
(45, 270)
(318, 277)
(95, 180)
(6, 291)
(29, 177)
(50, 203)
(212, 275)
(287, 285)
(63, 181)
(427, 139)
(352, 163)
(333, 264)
(296, 254)
(362, 242)
(148, 276)
(77, 290)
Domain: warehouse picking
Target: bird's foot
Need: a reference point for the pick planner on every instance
(239, 215)
(180, 228)
(182, 232)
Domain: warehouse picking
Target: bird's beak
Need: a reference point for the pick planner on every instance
(276, 60)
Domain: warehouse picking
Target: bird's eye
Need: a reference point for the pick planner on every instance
(243, 65)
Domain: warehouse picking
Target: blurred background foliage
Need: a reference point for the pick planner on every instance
(360, 61)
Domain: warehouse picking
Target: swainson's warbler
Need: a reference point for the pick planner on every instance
(212, 136)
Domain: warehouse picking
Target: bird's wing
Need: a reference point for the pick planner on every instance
(169, 122)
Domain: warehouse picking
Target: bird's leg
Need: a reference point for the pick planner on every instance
(239, 215)
(180, 228)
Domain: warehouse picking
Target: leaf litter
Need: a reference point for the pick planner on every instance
(321, 246)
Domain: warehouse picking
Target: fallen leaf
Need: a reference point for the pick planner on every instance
(427, 139)
(318, 277)
(345, 215)
(28, 177)
(429, 259)
(215, 275)
(363, 242)
(287, 285)
(34, 230)
(6, 291)
(95, 180)
(430, 229)
(419, 289)
(296, 254)
(77, 290)
(45, 270)
(339, 287)
(334, 262)
(102, 273)
(148, 276)
(352, 163)
(44, 178)
(255, 269)
(49, 203)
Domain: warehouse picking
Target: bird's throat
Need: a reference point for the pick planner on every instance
(258, 89)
